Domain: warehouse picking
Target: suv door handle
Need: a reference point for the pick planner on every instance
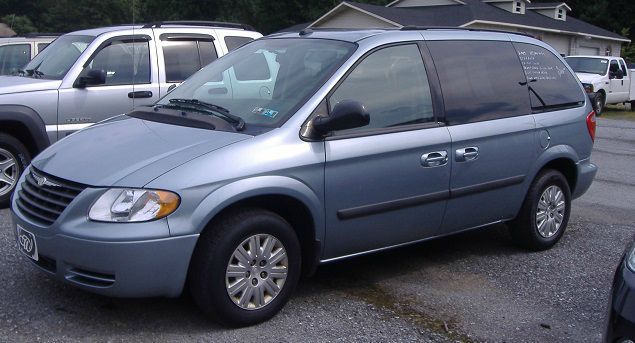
(140, 94)
(467, 154)
(434, 159)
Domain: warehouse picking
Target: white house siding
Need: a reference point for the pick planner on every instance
(420, 3)
(352, 19)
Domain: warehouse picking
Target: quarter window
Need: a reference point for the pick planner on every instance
(551, 84)
(234, 42)
(480, 80)
(124, 62)
(393, 85)
(14, 57)
(624, 69)
(185, 57)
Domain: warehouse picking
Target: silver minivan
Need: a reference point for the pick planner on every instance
(302, 149)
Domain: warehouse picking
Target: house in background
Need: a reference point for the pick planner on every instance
(548, 22)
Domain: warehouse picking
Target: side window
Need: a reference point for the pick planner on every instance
(480, 80)
(392, 84)
(614, 70)
(624, 69)
(124, 62)
(185, 57)
(234, 42)
(41, 46)
(551, 84)
(14, 57)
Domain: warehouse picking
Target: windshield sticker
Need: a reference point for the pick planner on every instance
(269, 113)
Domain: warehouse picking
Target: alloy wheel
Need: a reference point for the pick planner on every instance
(551, 211)
(9, 172)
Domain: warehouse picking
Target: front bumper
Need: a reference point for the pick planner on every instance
(621, 320)
(113, 259)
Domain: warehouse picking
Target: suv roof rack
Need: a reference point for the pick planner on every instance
(417, 28)
(41, 34)
(158, 24)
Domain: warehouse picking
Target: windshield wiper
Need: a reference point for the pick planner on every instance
(219, 111)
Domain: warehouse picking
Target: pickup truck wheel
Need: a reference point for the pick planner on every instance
(599, 104)
(545, 212)
(14, 157)
(633, 105)
(245, 267)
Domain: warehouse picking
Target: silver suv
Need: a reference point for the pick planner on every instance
(302, 149)
(87, 76)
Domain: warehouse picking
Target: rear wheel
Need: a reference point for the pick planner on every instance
(633, 105)
(544, 215)
(14, 157)
(245, 267)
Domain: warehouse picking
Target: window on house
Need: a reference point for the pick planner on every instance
(519, 7)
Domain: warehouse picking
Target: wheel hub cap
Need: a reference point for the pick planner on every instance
(551, 211)
(256, 271)
(8, 171)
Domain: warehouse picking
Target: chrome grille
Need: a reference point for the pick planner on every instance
(43, 197)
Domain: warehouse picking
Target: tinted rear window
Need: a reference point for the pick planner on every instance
(185, 57)
(480, 80)
(234, 42)
(551, 84)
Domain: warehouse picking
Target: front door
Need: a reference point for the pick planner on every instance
(619, 91)
(131, 80)
(386, 183)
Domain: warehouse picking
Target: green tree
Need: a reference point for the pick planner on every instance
(19, 23)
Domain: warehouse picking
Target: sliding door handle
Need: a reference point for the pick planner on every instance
(466, 154)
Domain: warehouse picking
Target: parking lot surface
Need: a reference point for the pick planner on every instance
(468, 288)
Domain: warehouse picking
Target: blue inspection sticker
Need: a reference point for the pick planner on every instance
(269, 113)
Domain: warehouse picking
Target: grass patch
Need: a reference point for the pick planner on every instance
(619, 112)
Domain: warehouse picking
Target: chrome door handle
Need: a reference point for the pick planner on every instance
(434, 159)
(467, 154)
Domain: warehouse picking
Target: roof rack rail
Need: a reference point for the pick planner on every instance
(417, 28)
(158, 24)
(41, 34)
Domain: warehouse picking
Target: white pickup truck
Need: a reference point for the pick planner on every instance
(606, 76)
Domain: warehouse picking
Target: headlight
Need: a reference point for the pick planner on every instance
(588, 87)
(133, 205)
(630, 259)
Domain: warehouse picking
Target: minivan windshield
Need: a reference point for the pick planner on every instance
(588, 65)
(54, 62)
(264, 82)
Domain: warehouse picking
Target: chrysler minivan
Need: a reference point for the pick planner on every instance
(306, 148)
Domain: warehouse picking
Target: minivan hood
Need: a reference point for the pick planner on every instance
(18, 84)
(128, 152)
(589, 78)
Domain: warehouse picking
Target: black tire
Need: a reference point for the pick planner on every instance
(633, 105)
(16, 151)
(207, 274)
(524, 228)
(599, 104)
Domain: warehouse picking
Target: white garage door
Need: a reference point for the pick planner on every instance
(585, 50)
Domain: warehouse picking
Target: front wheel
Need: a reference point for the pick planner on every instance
(599, 104)
(245, 267)
(14, 157)
(545, 212)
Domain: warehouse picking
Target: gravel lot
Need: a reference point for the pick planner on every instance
(468, 288)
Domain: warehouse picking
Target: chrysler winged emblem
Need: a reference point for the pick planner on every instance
(43, 181)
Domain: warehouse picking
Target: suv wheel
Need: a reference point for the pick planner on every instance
(14, 157)
(245, 267)
(545, 213)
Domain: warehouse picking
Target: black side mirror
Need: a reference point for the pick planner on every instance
(347, 114)
(93, 77)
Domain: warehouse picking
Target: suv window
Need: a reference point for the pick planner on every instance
(14, 57)
(125, 63)
(480, 80)
(551, 84)
(392, 84)
(41, 46)
(234, 42)
(185, 57)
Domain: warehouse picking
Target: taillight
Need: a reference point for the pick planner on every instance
(591, 124)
